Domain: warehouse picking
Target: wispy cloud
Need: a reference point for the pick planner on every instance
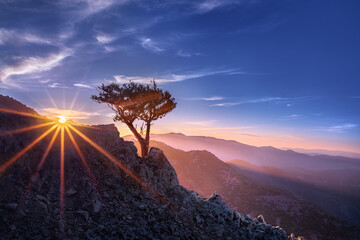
(112, 48)
(267, 26)
(246, 134)
(214, 98)
(11, 36)
(209, 5)
(56, 85)
(258, 100)
(170, 78)
(105, 38)
(31, 65)
(278, 100)
(82, 9)
(151, 45)
(182, 53)
(293, 117)
(219, 128)
(94, 6)
(81, 85)
(340, 128)
(202, 123)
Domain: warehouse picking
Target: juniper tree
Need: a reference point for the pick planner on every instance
(133, 101)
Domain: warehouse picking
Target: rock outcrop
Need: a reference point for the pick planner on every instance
(111, 204)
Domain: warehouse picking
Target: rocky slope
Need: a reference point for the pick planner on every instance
(204, 173)
(114, 206)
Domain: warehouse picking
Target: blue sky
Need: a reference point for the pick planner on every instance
(283, 73)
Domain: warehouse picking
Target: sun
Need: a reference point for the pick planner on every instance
(64, 126)
(62, 119)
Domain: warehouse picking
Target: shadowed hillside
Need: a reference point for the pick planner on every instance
(203, 172)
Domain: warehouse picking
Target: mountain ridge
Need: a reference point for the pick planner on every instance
(261, 156)
(145, 202)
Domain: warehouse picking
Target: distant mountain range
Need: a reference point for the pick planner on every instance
(288, 160)
(325, 152)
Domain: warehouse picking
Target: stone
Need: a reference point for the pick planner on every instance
(261, 219)
(11, 206)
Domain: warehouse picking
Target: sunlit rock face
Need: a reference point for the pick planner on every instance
(112, 204)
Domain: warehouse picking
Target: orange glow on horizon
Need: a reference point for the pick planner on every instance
(256, 138)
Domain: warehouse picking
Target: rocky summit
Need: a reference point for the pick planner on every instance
(133, 198)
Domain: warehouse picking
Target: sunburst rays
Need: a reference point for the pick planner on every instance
(26, 129)
(24, 150)
(62, 172)
(81, 155)
(5, 110)
(64, 128)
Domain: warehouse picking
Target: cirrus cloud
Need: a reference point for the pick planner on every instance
(29, 65)
(81, 85)
(172, 77)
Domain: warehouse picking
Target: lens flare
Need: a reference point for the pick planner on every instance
(62, 172)
(77, 148)
(22, 152)
(121, 166)
(42, 161)
(26, 129)
(64, 127)
(21, 113)
(62, 119)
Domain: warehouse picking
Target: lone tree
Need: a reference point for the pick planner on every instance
(133, 101)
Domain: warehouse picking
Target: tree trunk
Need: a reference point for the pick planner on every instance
(144, 147)
(147, 138)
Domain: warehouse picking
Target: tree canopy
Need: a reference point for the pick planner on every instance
(133, 101)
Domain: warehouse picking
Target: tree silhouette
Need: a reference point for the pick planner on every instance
(133, 101)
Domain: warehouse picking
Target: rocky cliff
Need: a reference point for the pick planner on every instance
(108, 203)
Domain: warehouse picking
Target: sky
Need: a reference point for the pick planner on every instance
(281, 73)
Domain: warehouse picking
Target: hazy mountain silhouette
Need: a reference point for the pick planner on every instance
(262, 156)
(204, 173)
(342, 180)
(335, 153)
